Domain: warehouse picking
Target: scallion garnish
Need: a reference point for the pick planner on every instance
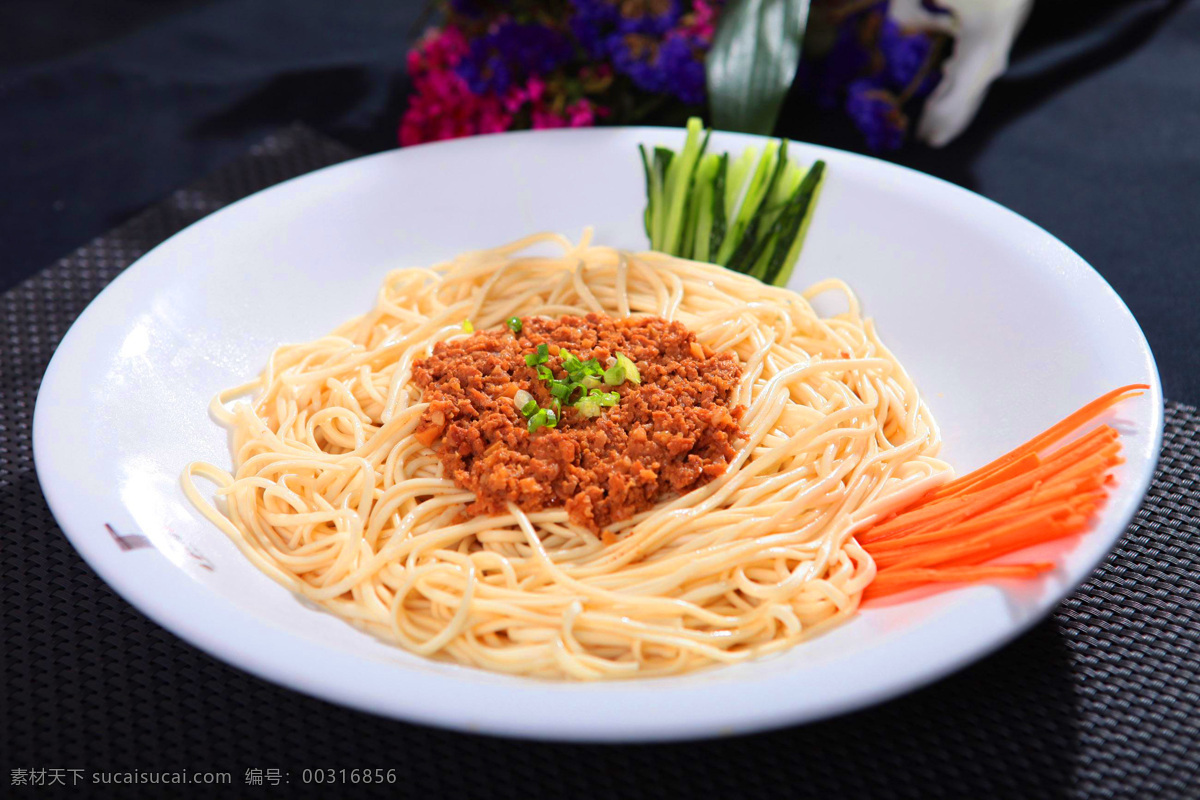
(578, 370)
(467, 326)
(514, 324)
(562, 391)
(623, 370)
(580, 389)
(524, 402)
(543, 418)
(539, 356)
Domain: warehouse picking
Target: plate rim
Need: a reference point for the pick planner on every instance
(273, 665)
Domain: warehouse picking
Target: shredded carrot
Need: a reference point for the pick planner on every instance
(1048, 437)
(934, 511)
(902, 580)
(1031, 495)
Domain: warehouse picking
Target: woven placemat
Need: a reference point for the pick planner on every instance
(1100, 700)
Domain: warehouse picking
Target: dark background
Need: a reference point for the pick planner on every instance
(108, 105)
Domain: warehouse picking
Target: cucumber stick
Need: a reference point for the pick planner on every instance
(679, 183)
(748, 212)
(719, 216)
(780, 271)
(754, 195)
(697, 236)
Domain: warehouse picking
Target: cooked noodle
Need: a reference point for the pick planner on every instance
(333, 497)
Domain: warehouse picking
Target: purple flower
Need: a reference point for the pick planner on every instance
(904, 54)
(599, 25)
(649, 17)
(592, 22)
(673, 66)
(876, 113)
(680, 61)
(510, 53)
(847, 59)
(636, 57)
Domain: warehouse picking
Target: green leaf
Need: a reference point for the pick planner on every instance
(753, 62)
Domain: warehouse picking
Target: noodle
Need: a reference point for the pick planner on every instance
(333, 497)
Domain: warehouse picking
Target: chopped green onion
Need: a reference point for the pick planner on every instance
(606, 399)
(467, 326)
(522, 399)
(614, 375)
(570, 361)
(588, 407)
(543, 418)
(578, 370)
(623, 370)
(540, 356)
(514, 324)
(593, 404)
(579, 390)
(563, 390)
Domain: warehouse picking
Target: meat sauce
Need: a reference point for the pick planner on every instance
(669, 434)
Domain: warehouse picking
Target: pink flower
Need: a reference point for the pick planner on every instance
(442, 106)
(703, 21)
(543, 119)
(439, 49)
(581, 114)
(535, 89)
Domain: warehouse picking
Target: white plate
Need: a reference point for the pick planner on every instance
(1004, 328)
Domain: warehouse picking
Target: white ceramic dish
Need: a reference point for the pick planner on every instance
(1005, 329)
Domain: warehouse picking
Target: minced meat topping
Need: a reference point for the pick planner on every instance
(670, 433)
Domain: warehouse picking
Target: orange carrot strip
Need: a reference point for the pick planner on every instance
(985, 547)
(1034, 494)
(912, 579)
(988, 521)
(884, 585)
(1008, 471)
(930, 555)
(1051, 435)
(991, 540)
(1092, 442)
(927, 515)
(1050, 492)
(956, 509)
(1020, 541)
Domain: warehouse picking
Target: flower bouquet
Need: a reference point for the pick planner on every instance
(498, 65)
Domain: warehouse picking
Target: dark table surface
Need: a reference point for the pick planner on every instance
(105, 107)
